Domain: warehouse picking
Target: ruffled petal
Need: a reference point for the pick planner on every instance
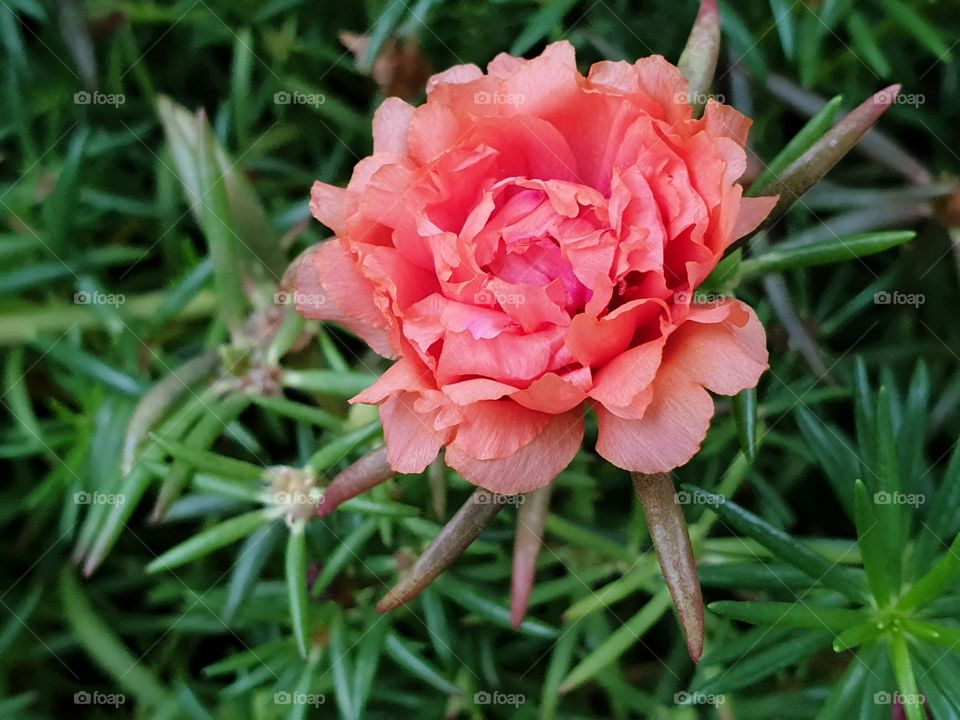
(660, 80)
(328, 205)
(404, 375)
(468, 392)
(726, 121)
(504, 64)
(412, 442)
(328, 286)
(532, 466)
(753, 211)
(669, 434)
(390, 124)
(457, 75)
(677, 417)
(620, 384)
(497, 428)
(509, 357)
(725, 356)
(544, 85)
(555, 394)
(433, 130)
(595, 342)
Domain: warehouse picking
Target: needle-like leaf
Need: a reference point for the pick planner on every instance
(464, 527)
(296, 572)
(698, 61)
(873, 545)
(214, 538)
(804, 615)
(819, 159)
(788, 549)
(791, 255)
(366, 473)
(531, 519)
(155, 404)
(745, 416)
(801, 142)
(668, 530)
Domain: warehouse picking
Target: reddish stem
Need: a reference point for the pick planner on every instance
(668, 530)
(456, 536)
(531, 519)
(367, 472)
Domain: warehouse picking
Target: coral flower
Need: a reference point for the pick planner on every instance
(528, 244)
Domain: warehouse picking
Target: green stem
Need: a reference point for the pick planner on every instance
(26, 325)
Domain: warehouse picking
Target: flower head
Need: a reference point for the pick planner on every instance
(528, 243)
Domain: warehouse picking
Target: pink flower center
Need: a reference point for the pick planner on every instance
(529, 236)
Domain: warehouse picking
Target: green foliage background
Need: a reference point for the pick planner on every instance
(96, 202)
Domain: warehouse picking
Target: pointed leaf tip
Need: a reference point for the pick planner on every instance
(745, 418)
(531, 520)
(455, 537)
(826, 152)
(671, 540)
(889, 93)
(698, 61)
